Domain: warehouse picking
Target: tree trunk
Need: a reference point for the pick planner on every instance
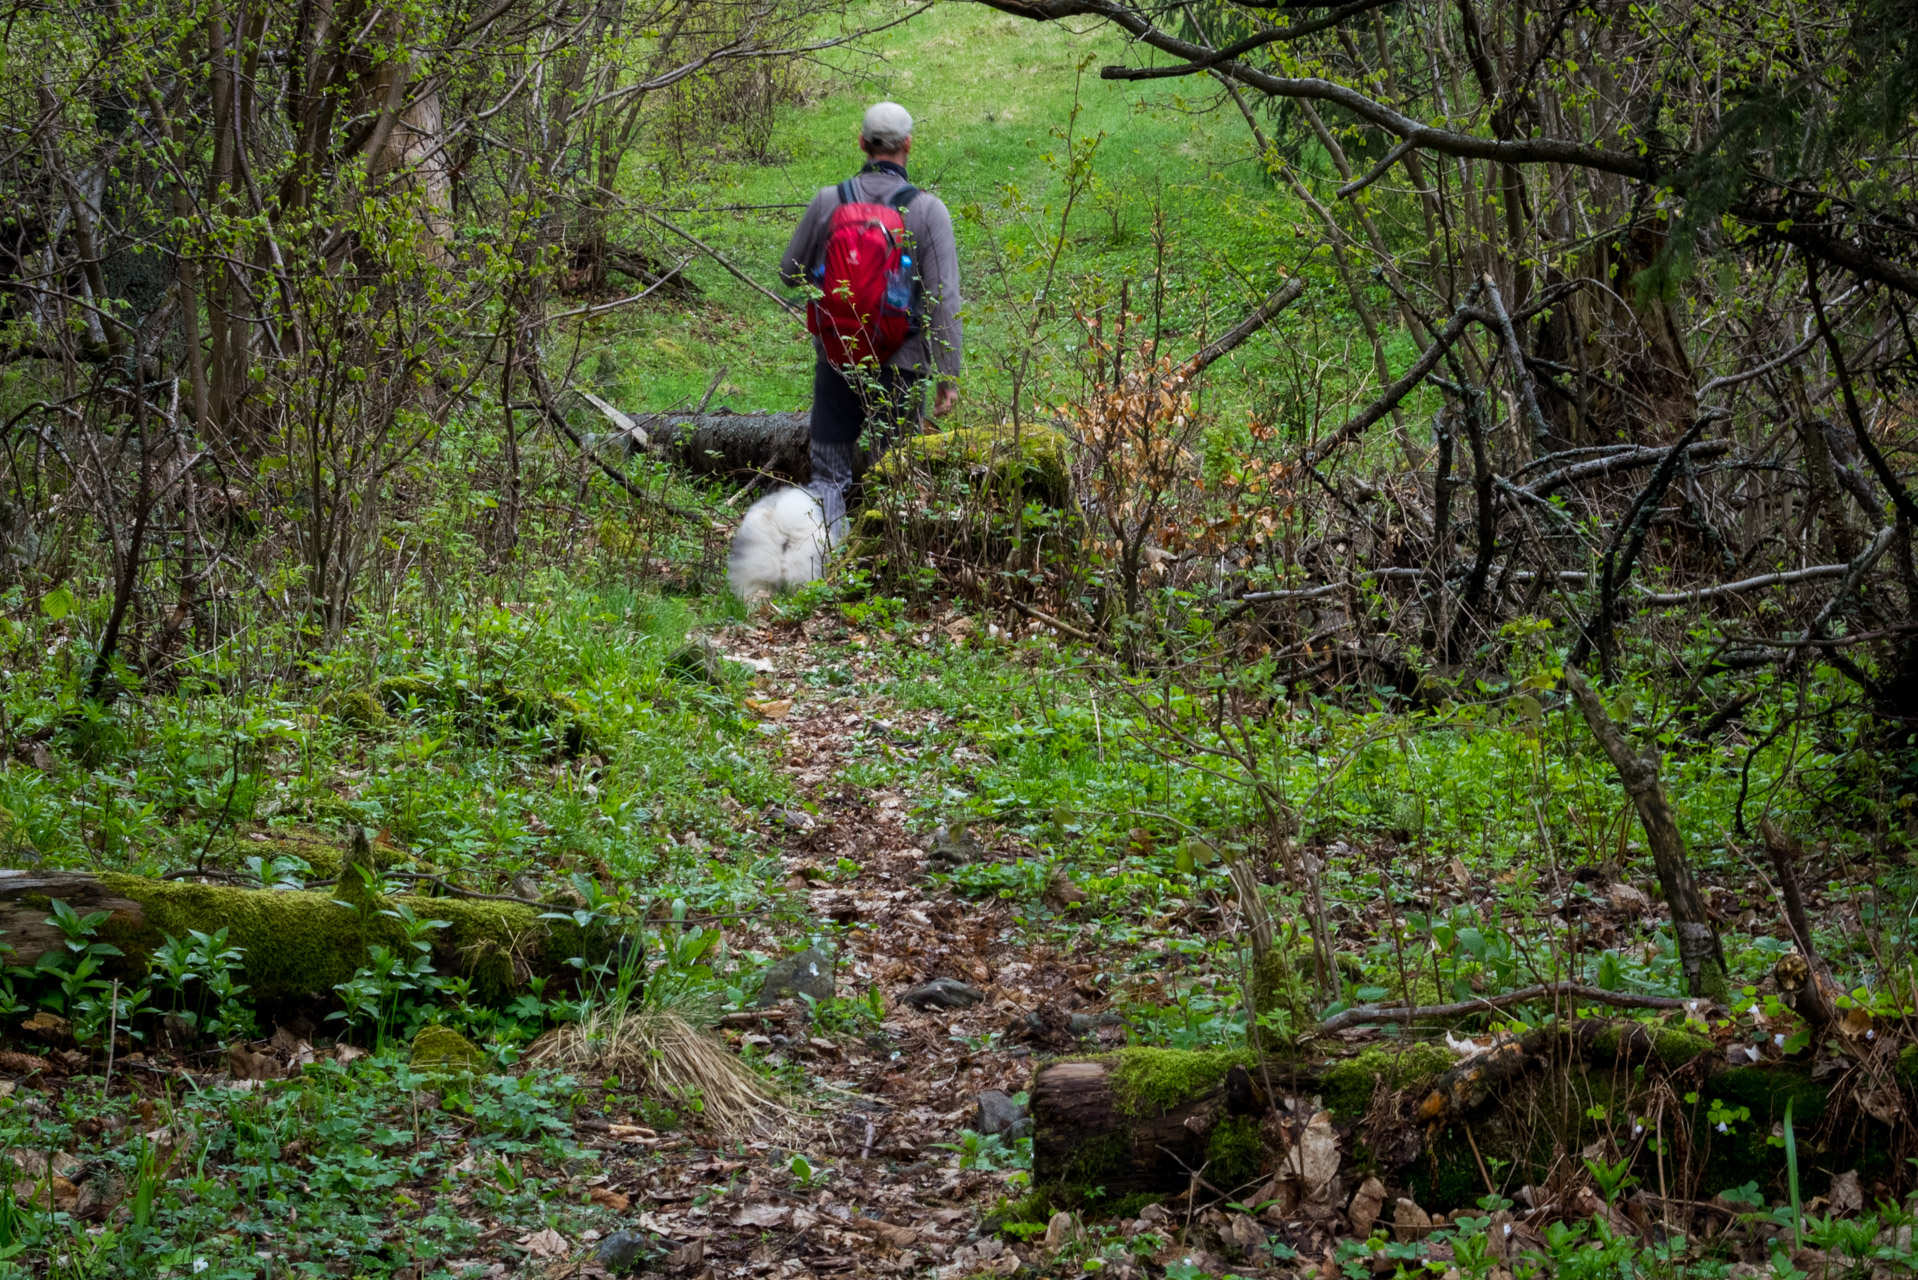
(297, 943)
(1699, 952)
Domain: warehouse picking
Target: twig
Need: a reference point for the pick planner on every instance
(1392, 157)
(1402, 1014)
(1053, 622)
(1810, 573)
(553, 415)
(113, 1030)
(1527, 393)
(1259, 317)
(1390, 397)
(786, 305)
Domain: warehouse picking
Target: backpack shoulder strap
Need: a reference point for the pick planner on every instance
(903, 197)
(848, 194)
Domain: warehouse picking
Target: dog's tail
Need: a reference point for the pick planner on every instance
(781, 544)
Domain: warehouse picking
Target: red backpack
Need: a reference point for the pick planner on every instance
(867, 305)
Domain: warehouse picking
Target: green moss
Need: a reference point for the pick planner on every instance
(1087, 1169)
(446, 1049)
(300, 943)
(1234, 1151)
(1348, 1087)
(357, 708)
(1149, 1081)
(1676, 1046)
(1038, 466)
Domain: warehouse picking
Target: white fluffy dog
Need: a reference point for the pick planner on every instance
(781, 544)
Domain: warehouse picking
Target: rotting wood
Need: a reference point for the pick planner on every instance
(1402, 1110)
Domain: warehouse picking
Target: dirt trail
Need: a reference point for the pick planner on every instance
(895, 1200)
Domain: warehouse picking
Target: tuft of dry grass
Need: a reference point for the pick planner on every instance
(661, 1053)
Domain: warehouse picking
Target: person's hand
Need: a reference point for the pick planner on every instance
(945, 399)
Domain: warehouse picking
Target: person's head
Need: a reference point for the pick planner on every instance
(886, 132)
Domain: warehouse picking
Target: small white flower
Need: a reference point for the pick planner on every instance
(1508, 1228)
(1637, 1128)
(199, 1265)
(1723, 1127)
(1779, 1039)
(1871, 1033)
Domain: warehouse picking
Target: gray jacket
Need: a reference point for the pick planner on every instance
(936, 344)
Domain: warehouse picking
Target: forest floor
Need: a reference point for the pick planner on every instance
(862, 729)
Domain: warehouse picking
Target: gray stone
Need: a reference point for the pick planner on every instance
(998, 1113)
(807, 974)
(953, 846)
(1084, 1024)
(622, 1250)
(943, 993)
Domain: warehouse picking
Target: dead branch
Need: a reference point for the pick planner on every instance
(1577, 992)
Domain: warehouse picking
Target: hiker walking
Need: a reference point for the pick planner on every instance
(878, 255)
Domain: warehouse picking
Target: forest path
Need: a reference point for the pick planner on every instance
(887, 1089)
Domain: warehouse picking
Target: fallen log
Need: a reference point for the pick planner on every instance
(738, 444)
(1161, 1122)
(297, 943)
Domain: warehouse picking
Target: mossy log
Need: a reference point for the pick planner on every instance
(297, 943)
(1146, 1120)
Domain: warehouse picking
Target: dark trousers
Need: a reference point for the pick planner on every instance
(880, 406)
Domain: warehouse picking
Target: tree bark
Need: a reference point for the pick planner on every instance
(1699, 950)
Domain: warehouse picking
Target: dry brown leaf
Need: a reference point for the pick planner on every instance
(545, 1244)
(897, 1237)
(762, 1215)
(1313, 1161)
(244, 1064)
(607, 1198)
(770, 708)
(1365, 1206)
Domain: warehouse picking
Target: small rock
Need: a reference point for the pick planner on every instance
(622, 1250)
(998, 1113)
(953, 846)
(943, 993)
(1061, 1231)
(1629, 898)
(445, 1049)
(1084, 1024)
(808, 973)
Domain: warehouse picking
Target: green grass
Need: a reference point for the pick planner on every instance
(989, 94)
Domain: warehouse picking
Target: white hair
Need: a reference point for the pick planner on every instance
(887, 125)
